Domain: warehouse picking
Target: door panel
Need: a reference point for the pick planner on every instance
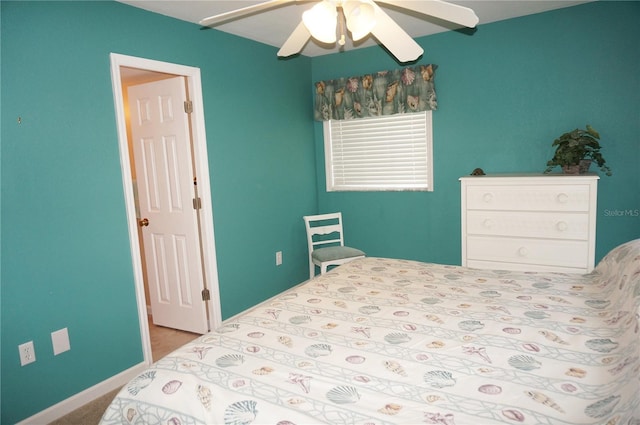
(164, 178)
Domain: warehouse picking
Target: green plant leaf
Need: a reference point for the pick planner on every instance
(592, 132)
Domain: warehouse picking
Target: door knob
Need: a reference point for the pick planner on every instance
(144, 222)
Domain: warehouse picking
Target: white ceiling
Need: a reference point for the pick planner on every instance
(273, 27)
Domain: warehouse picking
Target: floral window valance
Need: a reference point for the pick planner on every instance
(400, 91)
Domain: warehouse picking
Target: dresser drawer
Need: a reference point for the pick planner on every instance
(560, 253)
(555, 225)
(523, 267)
(529, 197)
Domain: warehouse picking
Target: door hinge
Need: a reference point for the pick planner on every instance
(206, 295)
(188, 106)
(197, 203)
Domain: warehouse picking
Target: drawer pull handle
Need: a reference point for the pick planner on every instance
(487, 197)
(562, 198)
(562, 226)
(488, 223)
(522, 252)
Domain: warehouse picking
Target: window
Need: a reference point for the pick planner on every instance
(376, 154)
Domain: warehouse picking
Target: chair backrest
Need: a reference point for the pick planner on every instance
(324, 230)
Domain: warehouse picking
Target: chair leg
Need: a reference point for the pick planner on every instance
(323, 269)
(312, 270)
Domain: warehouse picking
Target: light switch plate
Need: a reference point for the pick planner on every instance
(60, 341)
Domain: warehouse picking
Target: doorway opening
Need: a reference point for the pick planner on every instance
(128, 71)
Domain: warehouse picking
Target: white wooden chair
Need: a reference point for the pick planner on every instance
(326, 242)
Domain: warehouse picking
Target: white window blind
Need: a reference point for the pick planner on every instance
(382, 153)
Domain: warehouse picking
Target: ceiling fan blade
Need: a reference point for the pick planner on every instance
(244, 11)
(296, 41)
(394, 38)
(439, 9)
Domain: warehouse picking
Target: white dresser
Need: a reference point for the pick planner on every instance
(534, 222)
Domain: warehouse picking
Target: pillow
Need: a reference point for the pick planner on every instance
(619, 271)
(618, 259)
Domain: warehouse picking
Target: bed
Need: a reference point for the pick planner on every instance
(385, 341)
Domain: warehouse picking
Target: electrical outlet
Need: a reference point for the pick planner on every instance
(27, 353)
(279, 258)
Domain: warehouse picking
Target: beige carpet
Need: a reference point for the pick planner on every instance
(163, 342)
(90, 413)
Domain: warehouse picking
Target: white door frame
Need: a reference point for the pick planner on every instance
(204, 188)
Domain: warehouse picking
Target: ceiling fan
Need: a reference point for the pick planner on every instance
(362, 17)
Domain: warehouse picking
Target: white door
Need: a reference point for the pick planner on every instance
(162, 149)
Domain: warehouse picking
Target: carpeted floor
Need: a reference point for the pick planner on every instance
(90, 413)
(163, 342)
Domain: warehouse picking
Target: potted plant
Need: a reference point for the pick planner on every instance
(576, 150)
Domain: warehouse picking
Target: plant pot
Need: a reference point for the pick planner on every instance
(584, 166)
(581, 168)
(571, 169)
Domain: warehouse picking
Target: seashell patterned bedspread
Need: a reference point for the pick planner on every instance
(382, 341)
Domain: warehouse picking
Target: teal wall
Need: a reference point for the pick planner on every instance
(505, 93)
(66, 260)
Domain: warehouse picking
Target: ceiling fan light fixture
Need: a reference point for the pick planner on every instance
(360, 16)
(321, 22)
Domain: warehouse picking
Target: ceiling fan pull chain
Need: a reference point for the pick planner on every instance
(341, 19)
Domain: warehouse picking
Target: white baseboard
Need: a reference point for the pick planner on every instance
(78, 400)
